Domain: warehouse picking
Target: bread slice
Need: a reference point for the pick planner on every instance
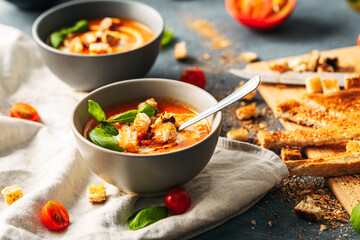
(339, 164)
(336, 134)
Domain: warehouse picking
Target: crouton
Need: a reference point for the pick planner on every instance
(12, 194)
(141, 124)
(330, 86)
(247, 112)
(150, 101)
(308, 211)
(180, 51)
(164, 132)
(280, 66)
(109, 23)
(313, 60)
(96, 193)
(352, 82)
(249, 56)
(239, 134)
(99, 48)
(129, 139)
(313, 84)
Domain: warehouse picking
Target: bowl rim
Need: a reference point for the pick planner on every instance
(213, 130)
(58, 7)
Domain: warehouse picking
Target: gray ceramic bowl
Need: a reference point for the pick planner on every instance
(153, 174)
(85, 72)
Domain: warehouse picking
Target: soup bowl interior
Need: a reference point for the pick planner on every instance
(88, 72)
(147, 174)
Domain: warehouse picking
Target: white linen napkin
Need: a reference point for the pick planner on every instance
(43, 159)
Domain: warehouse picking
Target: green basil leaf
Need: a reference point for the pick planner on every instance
(168, 36)
(79, 27)
(148, 109)
(126, 117)
(147, 216)
(109, 128)
(100, 137)
(96, 111)
(56, 38)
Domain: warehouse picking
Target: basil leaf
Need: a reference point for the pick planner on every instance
(96, 111)
(109, 128)
(147, 216)
(148, 109)
(100, 137)
(126, 117)
(168, 36)
(79, 27)
(56, 38)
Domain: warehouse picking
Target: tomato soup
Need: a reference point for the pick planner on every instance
(150, 131)
(108, 35)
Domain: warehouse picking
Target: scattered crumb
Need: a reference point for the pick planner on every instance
(253, 222)
(271, 224)
(249, 56)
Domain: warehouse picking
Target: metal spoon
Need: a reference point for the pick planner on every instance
(248, 87)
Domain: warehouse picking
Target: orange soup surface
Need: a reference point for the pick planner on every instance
(160, 135)
(108, 35)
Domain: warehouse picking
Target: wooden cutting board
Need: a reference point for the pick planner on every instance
(347, 188)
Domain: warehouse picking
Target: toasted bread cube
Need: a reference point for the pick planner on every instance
(249, 56)
(313, 60)
(96, 48)
(290, 154)
(300, 68)
(164, 132)
(180, 51)
(353, 146)
(308, 211)
(12, 194)
(280, 66)
(352, 82)
(141, 124)
(96, 193)
(239, 134)
(313, 84)
(248, 97)
(247, 112)
(330, 86)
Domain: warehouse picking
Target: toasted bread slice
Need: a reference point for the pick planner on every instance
(339, 164)
(336, 134)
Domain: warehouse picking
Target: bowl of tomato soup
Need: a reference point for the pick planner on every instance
(91, 43)
(142, 152)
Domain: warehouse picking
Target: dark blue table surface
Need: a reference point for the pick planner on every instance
(320, 24)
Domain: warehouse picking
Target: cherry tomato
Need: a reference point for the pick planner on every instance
(358, 40)
(24, 111)
(177, 200)
(54, 216)
(260, 14)
(193, 75)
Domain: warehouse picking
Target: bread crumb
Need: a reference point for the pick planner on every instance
(206, 57)
(280, 66)
(323, 227)
(271, 224)
(308, 211)
(253, 222)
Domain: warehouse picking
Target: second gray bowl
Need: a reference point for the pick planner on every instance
(85, 72)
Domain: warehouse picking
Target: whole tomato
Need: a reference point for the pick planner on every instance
(194, 76)
(260, 14)
(54, 215)
(24, 111)
(177, 200)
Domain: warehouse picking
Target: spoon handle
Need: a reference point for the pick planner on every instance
(248, 87)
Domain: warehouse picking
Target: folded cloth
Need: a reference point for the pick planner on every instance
(42, 158)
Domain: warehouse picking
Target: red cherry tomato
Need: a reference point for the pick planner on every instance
(358, 40)
(193, 75)
(177, 200)
(54, 216)
(260, 14)
(24, 111)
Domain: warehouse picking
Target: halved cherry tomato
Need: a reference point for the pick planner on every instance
(194, 76)
(24, 111)
(260, 14)
(177, 200)
(54, 216)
